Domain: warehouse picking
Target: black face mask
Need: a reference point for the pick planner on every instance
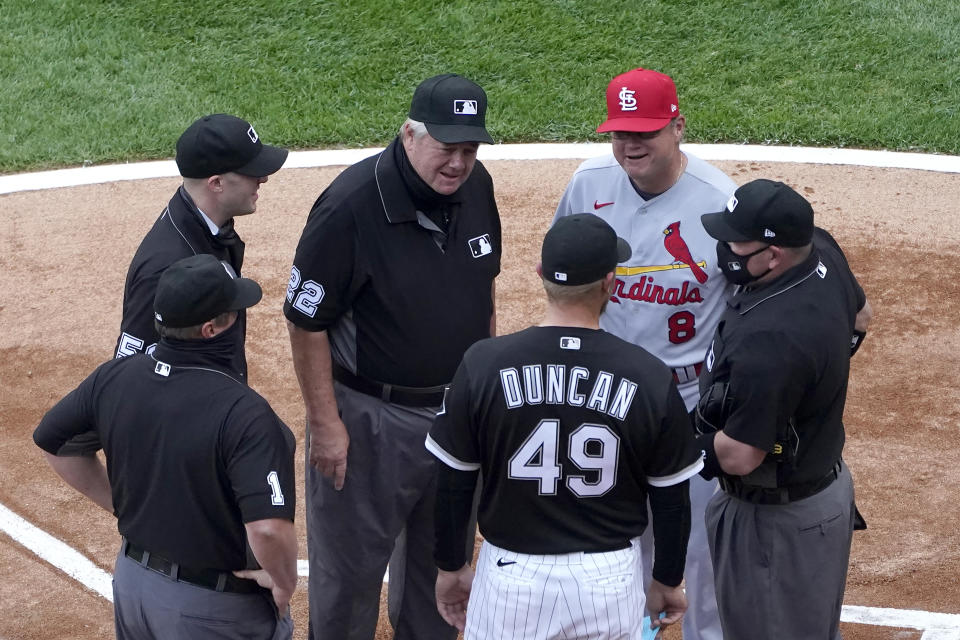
(734, 266)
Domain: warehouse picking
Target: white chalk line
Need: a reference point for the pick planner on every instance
(57, 553)
(937, 626)
(334, 157)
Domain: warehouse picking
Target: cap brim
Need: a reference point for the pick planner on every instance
(718, 228)
(246, 293)
(267, 162)
(637, 125)
(623, 250)
(453, 133)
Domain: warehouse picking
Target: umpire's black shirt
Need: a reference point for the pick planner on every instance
(178, 233)
(784, 348)
(192, 453)
(400, 296)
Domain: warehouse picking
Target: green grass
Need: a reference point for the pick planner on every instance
(90, 82)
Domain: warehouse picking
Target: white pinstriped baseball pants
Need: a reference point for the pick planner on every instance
(539, 597)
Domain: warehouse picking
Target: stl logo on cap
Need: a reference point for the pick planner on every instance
(627, 100)
(465, 107)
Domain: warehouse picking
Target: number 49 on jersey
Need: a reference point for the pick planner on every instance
(592, 448)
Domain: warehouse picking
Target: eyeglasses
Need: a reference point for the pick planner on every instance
(639, 135)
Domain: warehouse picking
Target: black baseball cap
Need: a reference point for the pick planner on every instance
(580, 249)
(453, 109)
(222, 143)
(763, 210)
(199, 288)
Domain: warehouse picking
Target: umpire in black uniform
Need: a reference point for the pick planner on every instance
(199, 470)
(392, 281)
(772, 397)
(223, 163)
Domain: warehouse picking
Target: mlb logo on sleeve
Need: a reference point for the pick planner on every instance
(480, 246)
(571, 343)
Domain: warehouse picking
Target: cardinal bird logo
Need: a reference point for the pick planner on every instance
(677, 247)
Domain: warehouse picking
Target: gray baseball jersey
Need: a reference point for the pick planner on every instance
(669, 296)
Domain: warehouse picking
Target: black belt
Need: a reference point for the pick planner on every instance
(780, 495)
(207, 578)
(395, 394)
(616, 547)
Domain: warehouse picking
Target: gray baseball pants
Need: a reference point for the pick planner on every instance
(781, 570)
(147, 604)
(383, 515)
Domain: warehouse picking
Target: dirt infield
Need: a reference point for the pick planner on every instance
(64, 254)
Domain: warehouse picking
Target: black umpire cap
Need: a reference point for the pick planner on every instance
(199, 288)
(766, 211)
(580, 249)
(222, 143)
(452, 108)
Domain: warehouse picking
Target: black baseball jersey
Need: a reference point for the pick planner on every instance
(401, 300)
(192, 453)
(568, 427)
(179, 232)
(784, 350)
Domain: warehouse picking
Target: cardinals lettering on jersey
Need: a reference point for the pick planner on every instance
(557, 387)
(646, 290)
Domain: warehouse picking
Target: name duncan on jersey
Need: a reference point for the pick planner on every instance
(645, 290)
(554, 386)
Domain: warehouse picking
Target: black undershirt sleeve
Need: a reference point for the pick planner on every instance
(455, 491)
(670, 507)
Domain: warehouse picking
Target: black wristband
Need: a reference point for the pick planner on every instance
(711, 465)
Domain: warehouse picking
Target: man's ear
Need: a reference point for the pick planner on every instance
(208, 329)
(681, 127)
(406, 136)
(540, 269)
(608, 281)
(215, 183)
(778, 256)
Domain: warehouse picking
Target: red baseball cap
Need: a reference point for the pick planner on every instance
(640, 100)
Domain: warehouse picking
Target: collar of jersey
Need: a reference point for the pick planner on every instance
(396, 201)
(746, 300)
(172, 352)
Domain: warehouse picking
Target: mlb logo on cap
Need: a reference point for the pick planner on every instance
(465, 107)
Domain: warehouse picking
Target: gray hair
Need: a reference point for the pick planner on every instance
(419, 129)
